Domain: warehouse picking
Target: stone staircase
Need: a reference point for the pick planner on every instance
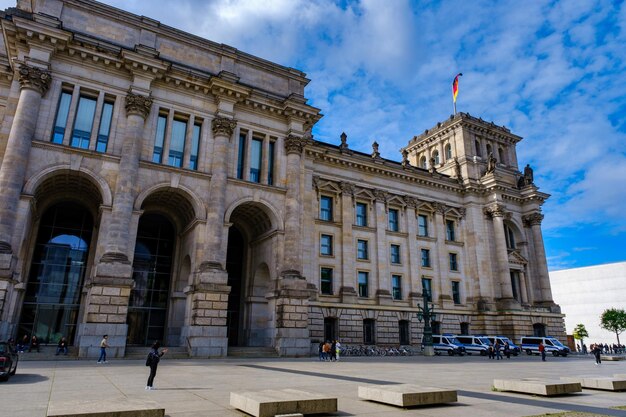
(251, 352)
(141, 352)
(47, 353)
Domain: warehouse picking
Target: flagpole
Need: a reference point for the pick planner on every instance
(454, 103)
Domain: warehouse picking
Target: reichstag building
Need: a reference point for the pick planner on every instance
(157, 185)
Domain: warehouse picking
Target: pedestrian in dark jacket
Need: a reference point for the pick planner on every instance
(597, 351)
(153, 362)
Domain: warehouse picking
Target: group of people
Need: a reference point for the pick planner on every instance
(329, 351)
(29, 344)
(604, 348)
(495, 350)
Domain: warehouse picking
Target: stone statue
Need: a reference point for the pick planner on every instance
(457, 169)
(375, 153)
(528, 175)
(405, 158)
(431, 164)
(491, 163)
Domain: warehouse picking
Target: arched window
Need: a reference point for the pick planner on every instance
(477, 144)
(501, 156)
(436, 157)
(423, 162)
(448, 151)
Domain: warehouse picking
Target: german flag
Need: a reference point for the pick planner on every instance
(455, 86)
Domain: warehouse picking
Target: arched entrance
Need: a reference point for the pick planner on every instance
(52, 299)
(152, 271)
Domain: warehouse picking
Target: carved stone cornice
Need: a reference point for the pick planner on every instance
(412, 202)
(532, 219)
(347, 188)
(462, 211)
(223, 126)
(381, 196)
(138, 104)
(495, 210)
(295, 144)
(34, 78)
(440, 208)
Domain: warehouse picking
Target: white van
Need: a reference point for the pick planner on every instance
(474, 344)
(447, 344)
(530, 345)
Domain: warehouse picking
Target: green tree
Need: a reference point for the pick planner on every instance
(580, 333)
(614, 320)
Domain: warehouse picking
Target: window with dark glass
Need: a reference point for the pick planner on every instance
(159, 139)
(509, 236)
(369, 331)
(422, 224)
(326, 245)
(105, 127)
(453, 263)
(330, 328)
(436, 157)
(326, 275)
(448, 152)
(394, 226)
(425, 258)
(83, 122)
(363, 284)
(427, 288)
(195, 146)
(177, 143)
(478, 153)
(436, 326)
(241, 154)
(326, 208)
(450, 230)
(361, 249)
(270, 163)
(465, 328)
(361, 214)
(456, 293)
(404, 330)
(515, 285)
(60, 122)
(395, 254)
(396, 287)
(256, 156)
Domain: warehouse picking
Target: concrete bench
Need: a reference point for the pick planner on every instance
(612, 357)
(407, 395)
(269, 403)
(603, 383)
(537, 386)
(121, 407)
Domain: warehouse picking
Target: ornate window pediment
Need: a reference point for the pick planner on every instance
(516, 258)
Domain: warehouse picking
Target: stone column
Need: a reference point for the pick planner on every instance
(523, 287)
(34, 82)
(534, 222)
(347, 290)
(382, 249)
(496, 211)
(108, 292)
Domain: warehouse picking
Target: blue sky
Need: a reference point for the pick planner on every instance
(381, 70)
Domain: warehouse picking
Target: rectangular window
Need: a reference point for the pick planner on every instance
(270, 163)
(61, 120)
(177, 143)
(395, 254)
(361, 214)
(326, 245)
(83, 123)
(427, 289)
(394, 226)
(369, 331)
(363, 282)
(453, 264)
(422, 224)
(405, 334)
(326, 275)
(326, 208)
(396, 287)
(450, 230)
(256, 155)
(105, 127)
(425, 258)
(195, 146)
(456, 292)
(241, 154)
(361, 249)
(157, 154)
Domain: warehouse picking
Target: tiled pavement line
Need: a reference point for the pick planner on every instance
(473, 394)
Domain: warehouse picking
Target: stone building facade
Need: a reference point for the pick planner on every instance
(156, 185)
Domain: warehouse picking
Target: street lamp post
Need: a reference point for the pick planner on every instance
(427, 314)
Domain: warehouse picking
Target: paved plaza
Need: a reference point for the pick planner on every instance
(188, 388)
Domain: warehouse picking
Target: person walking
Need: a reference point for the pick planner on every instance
(542, 351)
(321, 350)
(507, 350)
(333, 351)
(104, 344)
(596, 351)
(496, 349)
(153, 362)
(490, 351)
(337, 349)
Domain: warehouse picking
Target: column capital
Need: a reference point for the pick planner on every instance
(440, 208)
(532, 219)
(381, 196)
(295, 144)
(347, 188)
(223, 126)
(138, 105)
(495, 210)
(34, 78)
(412, 202)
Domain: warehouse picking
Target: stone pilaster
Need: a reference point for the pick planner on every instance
(347, 290)
(383, 293)
(441, 256)
(541, 266)
(34, 82)
(496, 212)
(206, 335)
(415, 284)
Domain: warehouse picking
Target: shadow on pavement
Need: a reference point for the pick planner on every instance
(19, 378)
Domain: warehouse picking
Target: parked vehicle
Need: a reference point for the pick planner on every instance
(530, 345)
(474, 344)
(447, 344)
(8, 361)
(515, 350)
